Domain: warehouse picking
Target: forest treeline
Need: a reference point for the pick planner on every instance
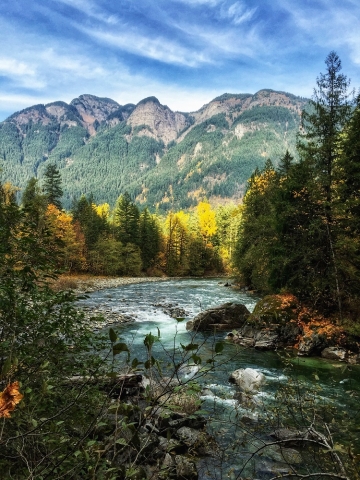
(299, 230)
(94, 239)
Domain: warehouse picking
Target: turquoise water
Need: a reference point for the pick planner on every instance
(295, 388)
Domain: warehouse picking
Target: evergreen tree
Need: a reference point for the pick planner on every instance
(92, 224)
(127, 220)
(52, 185)
(33, 201)
(319, 146)
(149, 237)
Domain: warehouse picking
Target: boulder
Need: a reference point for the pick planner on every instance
(248, 379)
(272, 324)
(189, 436)
(312, 343)
(224, 317)
(334, 353)
(185, 469)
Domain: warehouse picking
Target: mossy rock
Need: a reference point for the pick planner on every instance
(275, 310)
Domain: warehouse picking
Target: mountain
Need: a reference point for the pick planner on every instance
(162, 158)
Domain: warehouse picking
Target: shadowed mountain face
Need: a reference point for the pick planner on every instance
(162, 158)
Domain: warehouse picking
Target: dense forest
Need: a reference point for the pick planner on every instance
(300, 222)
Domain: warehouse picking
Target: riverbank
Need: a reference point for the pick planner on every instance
(91, 283)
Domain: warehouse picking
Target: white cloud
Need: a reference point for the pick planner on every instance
(161, 49)
(10, 66)
(238, 13)
(91, 9)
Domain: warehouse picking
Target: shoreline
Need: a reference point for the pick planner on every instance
(91, 283)
(86, 284)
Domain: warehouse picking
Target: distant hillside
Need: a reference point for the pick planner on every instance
(162, 158)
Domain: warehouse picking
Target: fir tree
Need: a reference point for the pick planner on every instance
(52, 185)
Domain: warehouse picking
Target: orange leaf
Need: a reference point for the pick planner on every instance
(9, 398)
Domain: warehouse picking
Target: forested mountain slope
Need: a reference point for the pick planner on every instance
(162, 158)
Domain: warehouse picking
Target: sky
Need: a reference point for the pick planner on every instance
(184, 52)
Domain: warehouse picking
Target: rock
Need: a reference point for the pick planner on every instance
(189, 436)
(273, 324)
(197, 422)
(185, 469)
(249, 418)
(248, 379)
(292, 437)
(171, 445)
(224, 317)
(334, 353)
(313, 343)
(353, 358)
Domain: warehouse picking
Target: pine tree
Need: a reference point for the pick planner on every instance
(33, 201)
(149, 237)
(319, 147)
(52, 185)
(127, 220)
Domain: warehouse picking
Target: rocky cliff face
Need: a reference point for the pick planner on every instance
(164, 124)
(94, 110)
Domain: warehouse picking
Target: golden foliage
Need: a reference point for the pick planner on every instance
(206, 219)
(103, 210)
(9, 398)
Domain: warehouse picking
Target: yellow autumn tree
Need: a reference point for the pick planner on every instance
(64, 238)
(207, 221)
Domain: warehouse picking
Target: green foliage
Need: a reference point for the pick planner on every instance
(43, 343)
(298, 224)
(52, 185)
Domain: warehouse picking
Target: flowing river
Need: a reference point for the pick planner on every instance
(325, 386)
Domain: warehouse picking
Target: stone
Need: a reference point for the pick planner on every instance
(185, 469)
(334, 353)
(224, 317)
(248, 379)
(189, 436)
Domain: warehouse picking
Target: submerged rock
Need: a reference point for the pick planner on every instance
(224, 317)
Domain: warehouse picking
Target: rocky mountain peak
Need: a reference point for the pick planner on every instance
(164, 123)
(34, 114)
(93, 109)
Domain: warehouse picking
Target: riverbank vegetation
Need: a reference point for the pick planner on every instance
(299, 230)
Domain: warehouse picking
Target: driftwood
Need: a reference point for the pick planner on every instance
(116, 386)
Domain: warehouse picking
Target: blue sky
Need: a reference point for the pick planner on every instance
(185, 52)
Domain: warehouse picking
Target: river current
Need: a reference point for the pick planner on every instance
(239, 428)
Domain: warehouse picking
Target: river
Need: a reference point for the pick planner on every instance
(295, 387)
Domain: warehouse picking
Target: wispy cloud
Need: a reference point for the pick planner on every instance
(161, 49)
(91, 9)
(237, 12)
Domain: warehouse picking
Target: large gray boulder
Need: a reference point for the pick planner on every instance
(224, 317)
(248, 379)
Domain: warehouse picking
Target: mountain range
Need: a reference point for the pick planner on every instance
(163, 159)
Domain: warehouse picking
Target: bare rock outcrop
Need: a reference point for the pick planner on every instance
(164, 123)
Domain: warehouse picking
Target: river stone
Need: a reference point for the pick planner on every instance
(185, 469)
(334, 353)
(224, 317)
(187, 435)
(248, 379)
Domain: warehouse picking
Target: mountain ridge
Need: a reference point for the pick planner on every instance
(164, 158)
